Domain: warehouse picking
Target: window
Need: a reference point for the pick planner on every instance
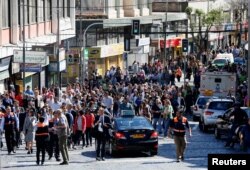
(33, 10)
(41, 10)
(68, 8)
(6, 14)
(49, 10)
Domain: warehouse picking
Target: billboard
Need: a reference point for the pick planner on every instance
(31, 57)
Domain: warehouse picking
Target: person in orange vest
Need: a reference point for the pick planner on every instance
(42, 138)
(178, 126)
(178, 74)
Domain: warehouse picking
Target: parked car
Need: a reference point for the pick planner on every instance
(223, 122)
(134, 133)
(214, 108)
(199, 106)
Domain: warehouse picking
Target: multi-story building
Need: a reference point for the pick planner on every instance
(42, 32)
(105, 41)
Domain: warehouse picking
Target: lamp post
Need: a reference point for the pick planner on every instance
(165, 35)
(23, 45)
(82, 70)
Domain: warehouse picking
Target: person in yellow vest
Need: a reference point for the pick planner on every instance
(42, 138)
(178, 127)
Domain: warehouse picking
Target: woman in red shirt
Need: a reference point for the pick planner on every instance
(90, 119)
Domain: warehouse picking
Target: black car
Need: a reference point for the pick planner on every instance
(223, 122)
(134, 133)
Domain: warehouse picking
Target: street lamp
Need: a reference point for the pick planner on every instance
(24, 45)
(82, 70)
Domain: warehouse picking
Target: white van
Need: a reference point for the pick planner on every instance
(228, 56)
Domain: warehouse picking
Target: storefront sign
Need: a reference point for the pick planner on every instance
(112, 50)
(31, 67)
(144, 41)
(94, 52)
(53, 66)
(4, 74)
(4, 63)
(32, 57)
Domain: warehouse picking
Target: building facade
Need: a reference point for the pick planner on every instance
(42, 33)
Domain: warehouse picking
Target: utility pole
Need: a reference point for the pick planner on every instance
(58, 45)
(24, 45)
(165, 35)
(81, 58)
(248, 61)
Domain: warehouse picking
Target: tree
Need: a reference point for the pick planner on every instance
(202, 24)
(239, 8)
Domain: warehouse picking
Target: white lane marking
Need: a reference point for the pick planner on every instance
(195, 127)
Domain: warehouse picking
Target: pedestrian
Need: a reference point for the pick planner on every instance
(42, 138)
(79, 128)
(29, 130)
(90, 119)
(10, 124)
(239, 118)
(62, 129)
(178, 126)
(53, 145)
(102, 124)
(245, 136)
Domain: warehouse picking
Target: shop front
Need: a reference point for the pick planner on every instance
(173, 46)
(102, 58)
(72, 64)
(4, 73)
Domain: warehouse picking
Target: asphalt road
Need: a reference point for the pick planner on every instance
(199, 146)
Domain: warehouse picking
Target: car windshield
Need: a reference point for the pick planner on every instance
(202, 101)
(133, 123)
(220, 61)
(220, 105)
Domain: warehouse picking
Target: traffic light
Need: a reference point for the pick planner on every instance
(136, 27)
(184, 45)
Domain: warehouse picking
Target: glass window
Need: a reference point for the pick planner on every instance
(41, 10)
(33, 11)
(68, 8)
(49, 10)
(6, 14)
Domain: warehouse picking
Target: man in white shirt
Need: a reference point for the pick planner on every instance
(108, 101)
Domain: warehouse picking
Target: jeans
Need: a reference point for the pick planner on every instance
(166, 123)
(157, 124)
(88, 136)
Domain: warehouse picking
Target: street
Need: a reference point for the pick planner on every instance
(199, 146)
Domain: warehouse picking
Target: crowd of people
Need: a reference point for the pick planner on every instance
(61, 119)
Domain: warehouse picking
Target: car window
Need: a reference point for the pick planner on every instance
(122, 124)
(202, 101)
(220, 105)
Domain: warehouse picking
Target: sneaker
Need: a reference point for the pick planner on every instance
(103, 159)
(98, 158)
(178, 160)
(50, 157)
(182, 158)
(58, 159)
(37, 162)
(64, 163)
(42, 163)
(28, 152)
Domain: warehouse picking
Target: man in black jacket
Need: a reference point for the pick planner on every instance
(239, 118)
(102, 125)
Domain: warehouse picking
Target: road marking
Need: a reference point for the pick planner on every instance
(195, 127)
